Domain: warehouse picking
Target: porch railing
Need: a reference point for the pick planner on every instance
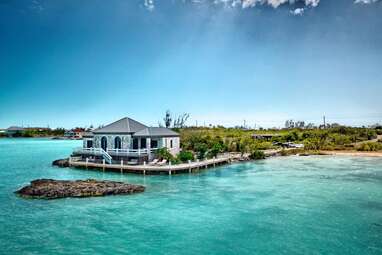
(115, 152)
(95, 151)
(130, 151)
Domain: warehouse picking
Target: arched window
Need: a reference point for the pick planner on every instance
(104, 143)
(117, 143)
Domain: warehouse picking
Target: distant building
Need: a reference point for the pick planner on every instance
(76, 133)
(128, 139)
(14, 131)
(266, 137)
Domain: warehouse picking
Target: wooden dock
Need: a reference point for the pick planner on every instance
(152, 169)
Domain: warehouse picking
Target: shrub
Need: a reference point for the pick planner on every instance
(201, 149)
(163, 153)
(371, 134)
(369, 146)
(215, 149)
(185, 156)
(257, 154)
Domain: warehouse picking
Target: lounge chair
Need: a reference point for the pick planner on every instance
(154, 162)
(162, 163)
(133, 162)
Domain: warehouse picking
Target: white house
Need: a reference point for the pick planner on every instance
(128, 139)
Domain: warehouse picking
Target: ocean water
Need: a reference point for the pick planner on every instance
(292, 205)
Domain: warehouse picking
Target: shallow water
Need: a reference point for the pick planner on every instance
(293, 205)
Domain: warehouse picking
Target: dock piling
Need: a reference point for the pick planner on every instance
(87, 161)
(103, 164)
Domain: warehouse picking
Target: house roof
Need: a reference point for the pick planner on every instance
(88, 134)
(125, 125)
(15, 128)
(155, 131)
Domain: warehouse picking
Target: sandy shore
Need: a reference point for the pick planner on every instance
(353, 153)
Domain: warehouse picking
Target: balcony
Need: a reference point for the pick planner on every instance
(114, 152)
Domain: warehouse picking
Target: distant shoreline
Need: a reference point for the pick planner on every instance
(47, 137)
(353, 153)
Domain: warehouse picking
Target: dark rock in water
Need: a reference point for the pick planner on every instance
(51, 189)
(304, 154)
(61, 162)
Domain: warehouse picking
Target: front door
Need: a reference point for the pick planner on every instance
(104, 143)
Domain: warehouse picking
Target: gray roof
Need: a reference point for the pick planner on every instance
(156, 131)
(14, 128)
(125, 125)
(88, 134)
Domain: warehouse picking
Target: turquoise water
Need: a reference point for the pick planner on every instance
(294, 205)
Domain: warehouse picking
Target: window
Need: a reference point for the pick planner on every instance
(171, 143)
(135, 144)
(104, 143)
(143, 143)
(89, 144)
(117, 143)
(154, 144)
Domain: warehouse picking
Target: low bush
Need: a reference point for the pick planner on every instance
(185, 156)
(201, 150)
(369, 146)
(163, 153)
(257, 154)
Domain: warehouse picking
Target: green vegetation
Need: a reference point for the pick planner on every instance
(36, 132)
(163, 153)
(257, 155)
(208, 142)
(185, 156)
(42, 133)
(369, 146)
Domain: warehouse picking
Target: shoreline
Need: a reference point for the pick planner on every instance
(353, 153)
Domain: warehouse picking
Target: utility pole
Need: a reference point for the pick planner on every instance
(324, 122)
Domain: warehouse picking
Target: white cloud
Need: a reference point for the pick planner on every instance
(149, 4)
(365, 1)
(298, 11)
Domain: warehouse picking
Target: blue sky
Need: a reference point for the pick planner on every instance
(76, 63)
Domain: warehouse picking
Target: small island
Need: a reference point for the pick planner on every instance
(53, 189)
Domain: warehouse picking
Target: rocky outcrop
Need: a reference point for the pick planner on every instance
(61, 162)
(51, 189)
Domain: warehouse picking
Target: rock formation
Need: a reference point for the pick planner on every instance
(51, 189)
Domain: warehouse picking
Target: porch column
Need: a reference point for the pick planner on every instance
(148, 147)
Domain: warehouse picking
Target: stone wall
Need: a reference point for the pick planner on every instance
(126, 141)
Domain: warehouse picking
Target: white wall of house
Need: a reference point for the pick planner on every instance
(172, 144)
